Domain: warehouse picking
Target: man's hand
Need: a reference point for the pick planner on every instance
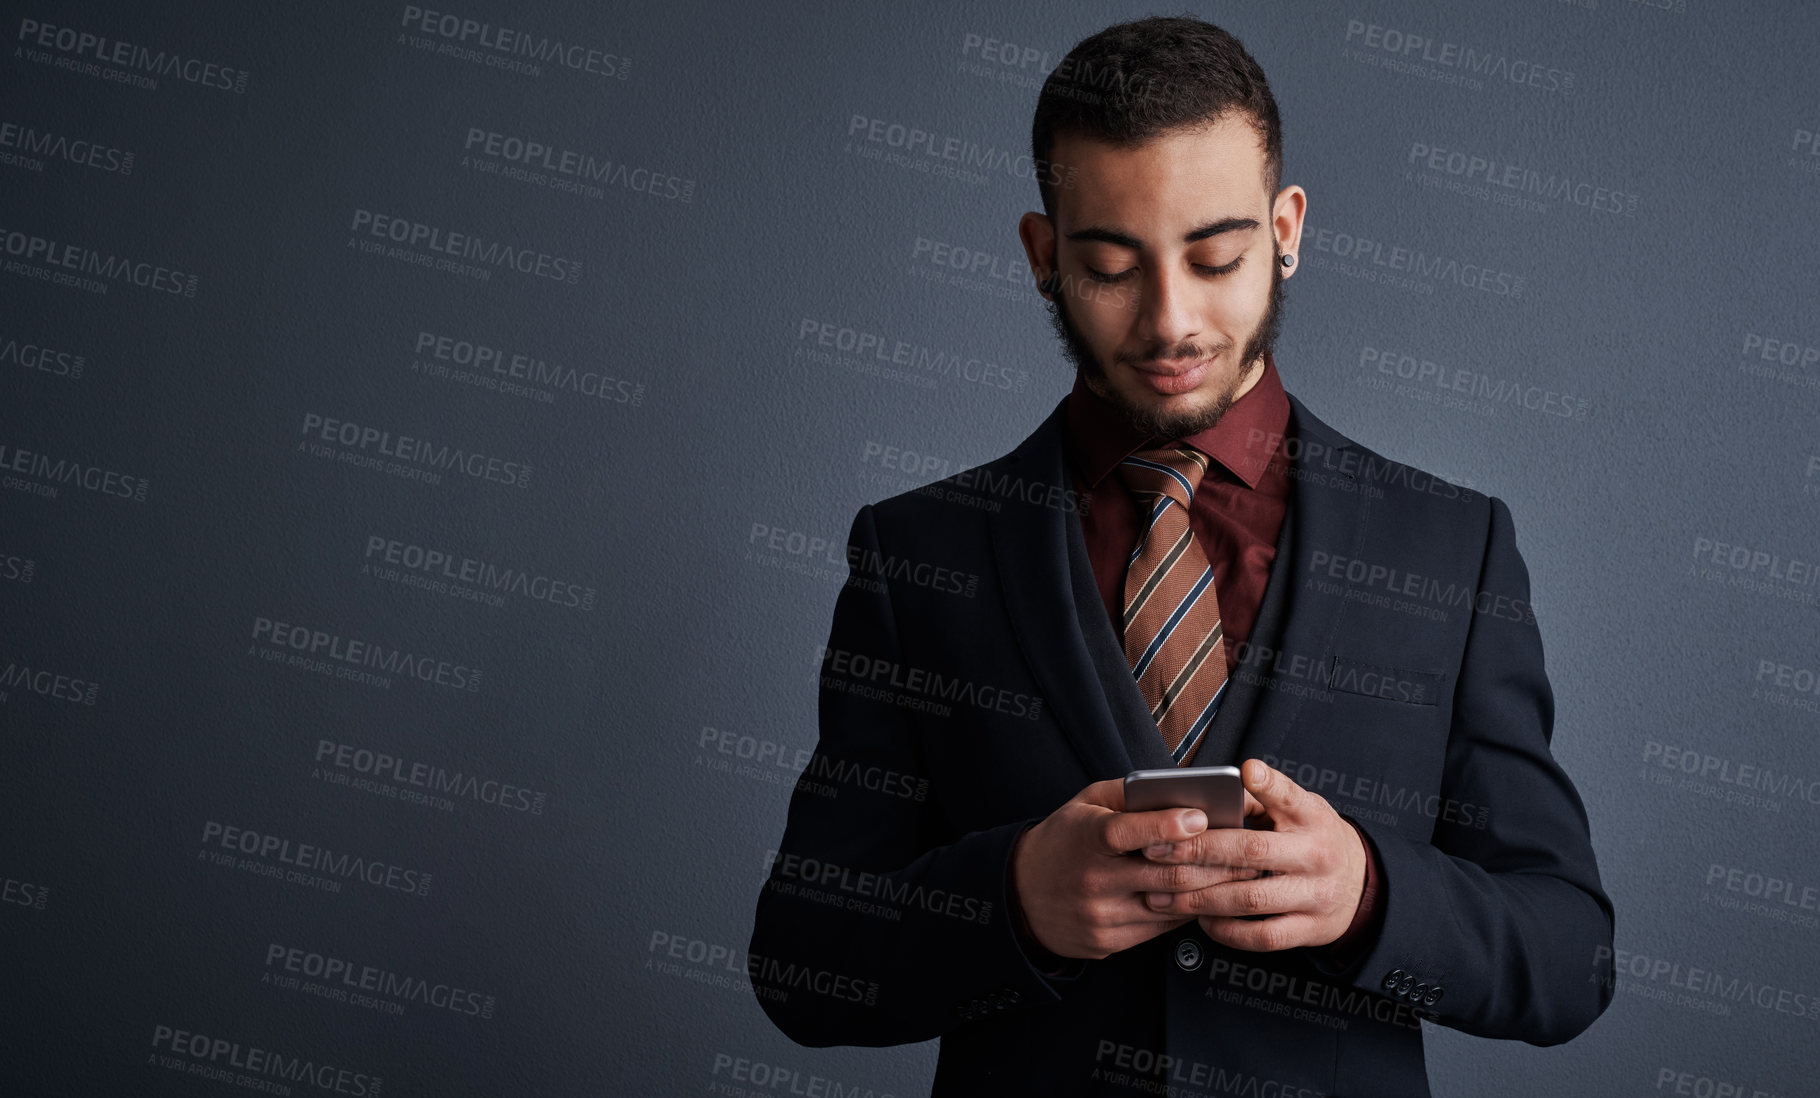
(1309, 867)
(1082, 896)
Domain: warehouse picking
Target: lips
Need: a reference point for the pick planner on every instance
(1173, 380)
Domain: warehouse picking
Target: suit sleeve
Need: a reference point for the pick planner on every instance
(874, 927)
(1503, 911)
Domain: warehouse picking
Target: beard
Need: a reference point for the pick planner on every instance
(1153, 422)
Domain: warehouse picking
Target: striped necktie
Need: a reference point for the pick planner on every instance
(1172, 619)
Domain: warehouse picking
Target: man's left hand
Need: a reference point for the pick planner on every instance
(1313, 865)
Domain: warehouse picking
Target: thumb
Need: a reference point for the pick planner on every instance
(1282, 798)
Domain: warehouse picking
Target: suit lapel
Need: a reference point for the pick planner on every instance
(1030, 542)
(1226, 735)
(1143, 743)
(1285, 658)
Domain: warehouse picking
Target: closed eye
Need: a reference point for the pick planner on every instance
(1215, 272)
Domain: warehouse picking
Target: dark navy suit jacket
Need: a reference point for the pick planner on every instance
(972, 683)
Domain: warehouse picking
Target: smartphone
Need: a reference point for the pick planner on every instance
(1215, 790)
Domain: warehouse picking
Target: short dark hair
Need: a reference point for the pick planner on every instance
(1134, 81)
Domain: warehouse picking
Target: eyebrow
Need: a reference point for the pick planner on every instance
(1126, 240)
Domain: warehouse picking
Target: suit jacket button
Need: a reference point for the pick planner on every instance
(1012, 996)
(1416, 993)
(1433, 996)
(1188, 954)
(1390, 979)
(1405, 984)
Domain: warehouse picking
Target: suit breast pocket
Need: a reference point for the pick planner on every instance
(1404, 685)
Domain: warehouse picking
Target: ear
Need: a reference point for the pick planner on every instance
(1038, 235)
(1286, 222)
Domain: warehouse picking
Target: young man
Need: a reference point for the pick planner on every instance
(1181, 566)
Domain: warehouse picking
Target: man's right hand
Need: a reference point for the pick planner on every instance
(1078, 891)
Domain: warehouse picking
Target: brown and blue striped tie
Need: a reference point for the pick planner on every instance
(1172, 619)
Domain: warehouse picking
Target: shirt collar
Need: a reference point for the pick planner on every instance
(1242, 442)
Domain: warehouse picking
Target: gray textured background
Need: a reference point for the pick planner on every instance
(723, 423)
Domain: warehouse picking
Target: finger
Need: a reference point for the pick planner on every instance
(1129, 910)
(1253, 806)
(1137, 914)
(1282, 798)
(1147, 876)
(1107, 794)
(1261, 935)
(1258, 896)
(1243, 848)
(1122, 831)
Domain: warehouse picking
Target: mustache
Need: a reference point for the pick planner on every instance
(1183, 354)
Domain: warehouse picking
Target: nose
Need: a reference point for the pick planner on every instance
(1165, 307)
